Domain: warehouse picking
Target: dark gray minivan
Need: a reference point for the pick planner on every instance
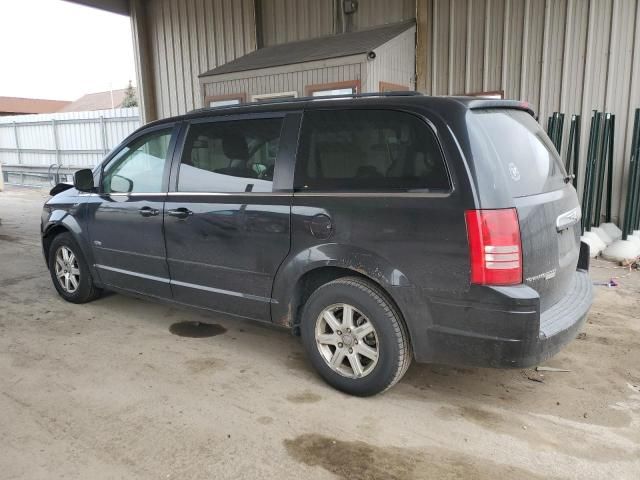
(380, 228)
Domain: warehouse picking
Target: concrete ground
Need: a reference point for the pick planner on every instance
(105, 390)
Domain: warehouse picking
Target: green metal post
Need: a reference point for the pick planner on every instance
(572, 134)
(576, 153)
(612, 136)
(631, 184)
(560, 132)
(587, 174)
(601, 167)
(635, 152)
(589, 179)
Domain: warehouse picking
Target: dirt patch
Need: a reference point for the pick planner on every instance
(205, 365)
(298, 361)
(362, 461)
(540, 433)
(265, 420)
(8, 238)
(304, 397)
(15, 280)
(196, 329)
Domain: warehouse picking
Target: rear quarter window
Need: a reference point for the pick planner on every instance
(368, 150)
(516, 150)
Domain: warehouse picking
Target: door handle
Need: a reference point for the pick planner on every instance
(148, 212)
(181, 212)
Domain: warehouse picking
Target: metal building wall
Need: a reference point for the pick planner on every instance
(285, 79)
(394, 63)
(188, 37)
(290, 20)
(571, 56)
(379, 12)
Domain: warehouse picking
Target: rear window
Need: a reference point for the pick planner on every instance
(516, 150)
(368, 150)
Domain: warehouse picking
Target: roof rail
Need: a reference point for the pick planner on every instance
(398, 93)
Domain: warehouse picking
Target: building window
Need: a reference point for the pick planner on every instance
(225, 100)
(392, 87)
(273, 96)
(349, 87)
(368, 150)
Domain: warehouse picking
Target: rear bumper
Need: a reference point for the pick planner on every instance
(503, 327)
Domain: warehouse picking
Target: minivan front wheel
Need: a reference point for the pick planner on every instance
(70, 271)
(354, 337)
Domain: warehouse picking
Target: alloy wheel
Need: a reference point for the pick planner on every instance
(67, 270)
(347, 340)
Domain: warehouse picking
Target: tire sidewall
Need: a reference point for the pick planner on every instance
(86, 284)
(381, 317)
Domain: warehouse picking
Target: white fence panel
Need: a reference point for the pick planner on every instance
(36, 136)
(7, 136)
(69, 139)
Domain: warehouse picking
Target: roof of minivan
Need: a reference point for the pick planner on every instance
(388, 99)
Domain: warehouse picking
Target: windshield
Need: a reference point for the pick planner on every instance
(513, 146)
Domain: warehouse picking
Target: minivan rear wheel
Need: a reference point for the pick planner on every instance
(69, 270)
(354, 337)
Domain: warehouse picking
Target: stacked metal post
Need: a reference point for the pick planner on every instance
(612, 136)
(555, 129)
(589, 176)
(635, 225)
(632, 205)
(573, 149)
(604, 164)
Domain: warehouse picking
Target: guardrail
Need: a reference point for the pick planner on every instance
(38, 176)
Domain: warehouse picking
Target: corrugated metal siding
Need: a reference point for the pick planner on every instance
(189, 37)
(276, 82)
(291, 20)
(560, 55)
(380, 12)
(394, 63)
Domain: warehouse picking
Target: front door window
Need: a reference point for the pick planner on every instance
(139, 167)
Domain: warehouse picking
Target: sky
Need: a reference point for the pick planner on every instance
(59, 50)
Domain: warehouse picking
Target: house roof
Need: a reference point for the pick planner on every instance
(96, 101)
(332, 46)
(30, 105)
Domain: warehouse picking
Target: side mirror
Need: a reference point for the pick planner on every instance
(83, 180)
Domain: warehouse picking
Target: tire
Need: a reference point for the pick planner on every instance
(356, 370)
(84, 290)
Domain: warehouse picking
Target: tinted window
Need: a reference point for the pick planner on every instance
(139, 167)
(236, 156)
(513, 148)
(368, 150)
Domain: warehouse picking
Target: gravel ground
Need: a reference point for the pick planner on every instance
(106, 390)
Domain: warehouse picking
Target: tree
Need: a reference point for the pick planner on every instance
(130, 99)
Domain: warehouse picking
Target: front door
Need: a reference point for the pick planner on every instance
(125, 217)
(226, 222)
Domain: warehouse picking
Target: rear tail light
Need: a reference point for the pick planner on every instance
(494, 246)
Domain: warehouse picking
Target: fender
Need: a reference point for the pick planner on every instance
(339, 255)
(66, 216)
